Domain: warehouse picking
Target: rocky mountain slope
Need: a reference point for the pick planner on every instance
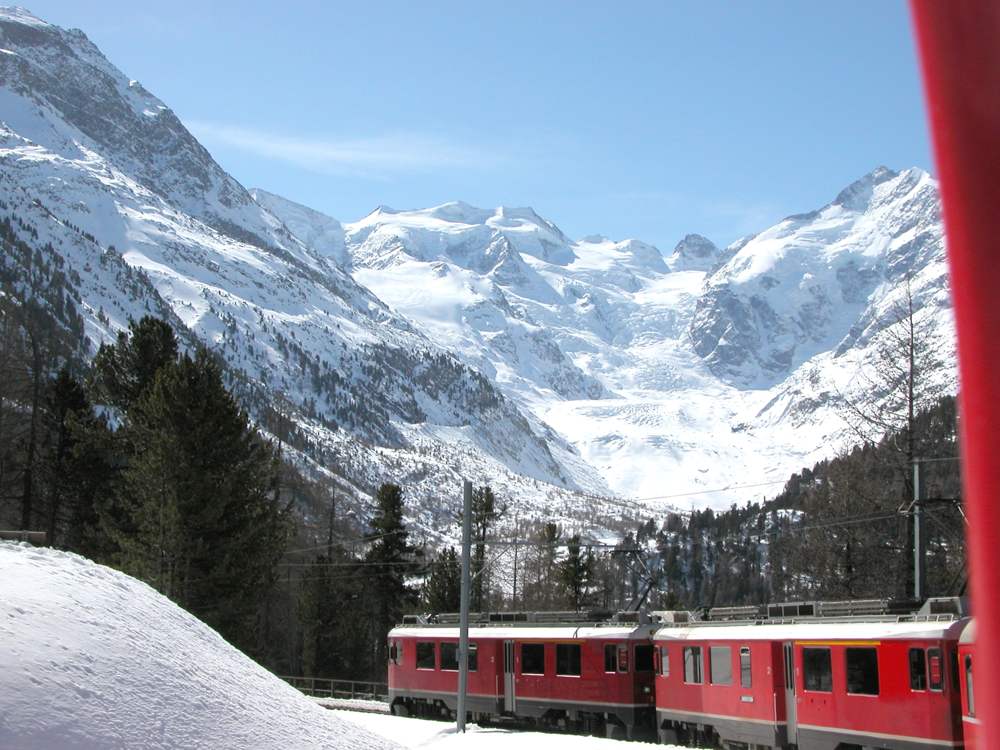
(103, 178)
(427, 345)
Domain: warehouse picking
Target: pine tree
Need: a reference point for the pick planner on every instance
(444, 585)
(389, 559)
(548, 538)
(123, 371)
(485, 512)
(202, 523)
(66, 405)
(576, 573)
(332, 620)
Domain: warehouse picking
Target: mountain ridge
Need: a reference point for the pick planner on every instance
(428, 345)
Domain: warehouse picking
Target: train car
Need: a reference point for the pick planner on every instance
(970, 723)
(595, 677)
(887, 683)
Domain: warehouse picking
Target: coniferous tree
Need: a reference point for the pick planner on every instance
(444, 585)
(123, 371)
(485, 512)
(201, 521)
(333, 633)
(576, 573)
(66, 405)
(389, 559)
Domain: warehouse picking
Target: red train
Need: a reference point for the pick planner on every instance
(589, 676)
(817, 676)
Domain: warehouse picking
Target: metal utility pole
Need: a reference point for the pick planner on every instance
(919, 538)
(463, 621)
(513, 599)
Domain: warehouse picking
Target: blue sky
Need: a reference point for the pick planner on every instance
(645, 120)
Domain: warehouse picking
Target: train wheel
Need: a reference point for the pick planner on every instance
(668, 737)
(399, 709)
(615, 731)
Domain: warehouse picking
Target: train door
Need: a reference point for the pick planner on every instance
(790, 704)
(509, 699)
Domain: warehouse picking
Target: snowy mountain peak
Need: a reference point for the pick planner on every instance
(856, 196)
(820, 281)
(694, 253)
(321, 233)
(17, 14)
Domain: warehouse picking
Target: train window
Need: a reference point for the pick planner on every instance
(611, 658)
(918, 669)
(425, 655)
(644, 658)
(969, 694)
(746, 678)
(817, 669)
(692, 665)
(568, 659)
(720, 665)
(532, 658)
(862, 671)
(623, 658)
(449, 656)
(935, 669)
(664, 661)
(953, 663)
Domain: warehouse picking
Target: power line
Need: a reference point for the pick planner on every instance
(709, 492)
(361, 540)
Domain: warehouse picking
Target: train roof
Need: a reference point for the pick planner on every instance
(528, 632)
(969, 633)
(856, 630)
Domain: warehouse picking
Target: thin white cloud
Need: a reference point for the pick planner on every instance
(377, 156)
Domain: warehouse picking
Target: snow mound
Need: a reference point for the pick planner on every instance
(91, 658)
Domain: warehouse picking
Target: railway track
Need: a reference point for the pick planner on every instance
(353, 704)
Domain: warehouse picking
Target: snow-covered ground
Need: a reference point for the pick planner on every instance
(91, 659)
(421, 733)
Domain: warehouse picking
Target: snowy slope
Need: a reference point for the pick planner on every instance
(112, 184)
(94, 659)
(680, 374)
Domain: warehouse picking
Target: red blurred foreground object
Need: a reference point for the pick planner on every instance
(959, 42)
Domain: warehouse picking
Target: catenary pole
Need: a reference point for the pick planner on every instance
(919, 538)
(463, 618)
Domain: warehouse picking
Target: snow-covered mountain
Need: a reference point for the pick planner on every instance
(672, 375)
(102, 176)
(427, 345)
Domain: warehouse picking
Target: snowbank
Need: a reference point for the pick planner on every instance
(93, 659)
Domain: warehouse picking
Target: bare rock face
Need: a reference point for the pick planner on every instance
(694, 253)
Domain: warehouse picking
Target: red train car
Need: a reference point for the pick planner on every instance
(820, 685)
(970, 722)
(596, 678)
